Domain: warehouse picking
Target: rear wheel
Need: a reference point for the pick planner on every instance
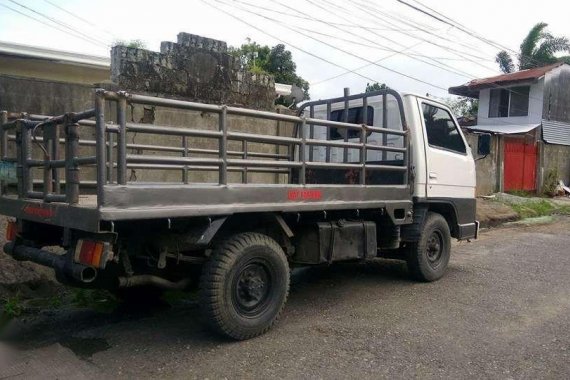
(244, 285)
(428, 258)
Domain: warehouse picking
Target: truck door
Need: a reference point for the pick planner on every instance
(449, 164)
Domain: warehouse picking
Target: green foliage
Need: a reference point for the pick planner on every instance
(505, 62)
(375, 87)
(97, 299)
(276, 61)
(137, 44)
(463, 106)
(539, 48)
(520, 193)
(550, 182)
(533, 209)
(12, 307)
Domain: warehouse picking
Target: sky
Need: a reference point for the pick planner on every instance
(335, 43)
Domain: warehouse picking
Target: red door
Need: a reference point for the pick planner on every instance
(520, 165)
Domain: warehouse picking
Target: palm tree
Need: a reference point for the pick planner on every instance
(537, 49)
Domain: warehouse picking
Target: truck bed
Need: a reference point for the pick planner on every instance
(299, 183)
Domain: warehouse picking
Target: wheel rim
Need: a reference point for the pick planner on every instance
(434, 248)
(252, 287)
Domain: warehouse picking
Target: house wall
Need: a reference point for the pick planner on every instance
(488, 168)
(51, 70)
(534, 108)
(557, 94)
(556, 157)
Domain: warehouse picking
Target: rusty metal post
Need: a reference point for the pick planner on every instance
(121, 140)
(223, 126)
(3, 145)
(47, 171)
(302, 154)
(71, 167)
(245, 156)
(26, 155)
(328, 148)
(100, 145)
(345, 119)
(385, 126)
(185, 154)
(56, 187)
(363, 140)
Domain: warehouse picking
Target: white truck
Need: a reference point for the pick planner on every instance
(379, 174)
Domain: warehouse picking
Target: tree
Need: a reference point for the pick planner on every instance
(252, 56)
(375, 87)
(463, 106)
(539, 48)
(137, 44)
(276, 61)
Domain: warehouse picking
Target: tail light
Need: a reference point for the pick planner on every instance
(11, 231)
(92, 253)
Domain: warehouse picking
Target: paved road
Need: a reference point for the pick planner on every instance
(503, 311)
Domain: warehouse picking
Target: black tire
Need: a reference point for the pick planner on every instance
(244, 285)
(428, 258)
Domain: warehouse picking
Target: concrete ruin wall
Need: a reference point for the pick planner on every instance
(193, 68)
(54, 98)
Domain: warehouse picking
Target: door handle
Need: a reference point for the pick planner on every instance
(432, 175)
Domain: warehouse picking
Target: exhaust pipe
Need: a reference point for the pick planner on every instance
(59, 263)
(147, 279)
(83, 273)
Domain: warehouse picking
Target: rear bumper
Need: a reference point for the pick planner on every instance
(468, 230)
(57, 214)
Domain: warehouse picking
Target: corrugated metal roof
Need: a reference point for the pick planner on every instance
(503, 129)
(504, 79)
(29, 51)
(556, 132)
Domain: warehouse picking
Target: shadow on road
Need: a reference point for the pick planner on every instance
(84, 331)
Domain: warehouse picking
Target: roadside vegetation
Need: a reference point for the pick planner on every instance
(533, 208)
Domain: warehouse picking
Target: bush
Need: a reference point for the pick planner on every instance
(550, 183)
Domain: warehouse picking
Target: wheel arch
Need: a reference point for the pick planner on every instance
(459, 213)
(269, 223)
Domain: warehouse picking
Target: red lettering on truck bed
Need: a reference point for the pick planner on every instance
(38, 211)
(304, 195)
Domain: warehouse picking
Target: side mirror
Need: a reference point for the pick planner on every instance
(484, 144)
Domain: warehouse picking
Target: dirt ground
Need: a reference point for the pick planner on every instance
(502, 311)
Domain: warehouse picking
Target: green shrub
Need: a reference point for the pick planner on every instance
(550, 182)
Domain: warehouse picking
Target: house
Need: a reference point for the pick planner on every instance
(528, 113)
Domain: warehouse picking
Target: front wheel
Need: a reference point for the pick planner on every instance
(244, 285)
(428, 258)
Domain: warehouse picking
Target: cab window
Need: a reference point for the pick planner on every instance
(441, 130)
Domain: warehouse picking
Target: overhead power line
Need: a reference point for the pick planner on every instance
(80, 18)
(287, 43)
(335, 47)
(467, 55)
(47, 24)
(62, 24)
(449, 21)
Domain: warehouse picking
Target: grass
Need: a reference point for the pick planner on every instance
(533, 209)
(12, 307)
(99, 300)
(521, 193)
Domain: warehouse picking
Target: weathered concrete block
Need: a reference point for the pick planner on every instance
(195, 68)
(199, 42)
